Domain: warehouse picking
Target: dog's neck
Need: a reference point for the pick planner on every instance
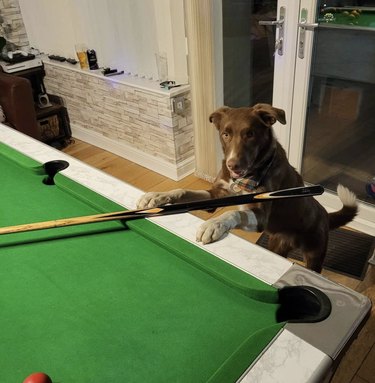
(254, 178)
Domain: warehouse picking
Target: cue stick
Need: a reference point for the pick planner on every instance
(303, 191)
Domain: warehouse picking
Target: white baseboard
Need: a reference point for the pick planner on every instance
(175, 172)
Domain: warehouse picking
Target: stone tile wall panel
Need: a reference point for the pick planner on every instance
(122, 113)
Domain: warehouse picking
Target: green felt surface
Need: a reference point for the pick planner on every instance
(109, 303)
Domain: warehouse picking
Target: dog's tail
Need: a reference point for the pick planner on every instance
(348, 211)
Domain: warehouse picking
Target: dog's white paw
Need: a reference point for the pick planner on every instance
(154, 199)
(212, 230)
(215, 228)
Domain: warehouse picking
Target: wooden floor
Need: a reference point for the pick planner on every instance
(358, 365)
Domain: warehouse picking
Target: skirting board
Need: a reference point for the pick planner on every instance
(175, 172)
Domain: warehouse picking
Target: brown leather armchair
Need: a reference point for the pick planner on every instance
(16, 99)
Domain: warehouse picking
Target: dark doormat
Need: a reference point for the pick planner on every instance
(348, 252)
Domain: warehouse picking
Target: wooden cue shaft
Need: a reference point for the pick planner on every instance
(78, 220)
(168, 209)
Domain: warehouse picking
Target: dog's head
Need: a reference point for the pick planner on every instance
(246, 135)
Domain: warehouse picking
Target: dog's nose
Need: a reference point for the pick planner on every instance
(233, 165)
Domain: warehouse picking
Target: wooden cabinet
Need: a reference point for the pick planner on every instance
(52, 115)
(54, 122)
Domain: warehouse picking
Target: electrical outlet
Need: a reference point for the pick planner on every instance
(179, 105)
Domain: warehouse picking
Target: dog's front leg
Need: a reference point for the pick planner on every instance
(153, 199)
(215, 228)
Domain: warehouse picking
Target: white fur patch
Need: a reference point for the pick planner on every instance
(215, 228)
(347, 197)
(225, 185)
(250, 218)
(230, 155)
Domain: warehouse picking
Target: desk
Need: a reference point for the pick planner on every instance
(141, 301)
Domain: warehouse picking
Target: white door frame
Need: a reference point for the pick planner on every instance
(285, 67)
(301, 88)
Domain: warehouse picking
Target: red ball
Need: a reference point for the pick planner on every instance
(38, 377)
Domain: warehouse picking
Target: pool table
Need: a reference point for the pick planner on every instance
(141, 301)
(357, 17)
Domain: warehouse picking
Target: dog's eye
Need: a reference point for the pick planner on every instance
(226, 136)
(249, 134)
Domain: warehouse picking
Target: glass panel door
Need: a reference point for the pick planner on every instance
(339, 144)
(248, 51)
(332, 129)
(259, 42)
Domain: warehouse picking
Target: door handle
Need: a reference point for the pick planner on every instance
(308, 26)
(278, 23)
(279, 44)
(303, 27)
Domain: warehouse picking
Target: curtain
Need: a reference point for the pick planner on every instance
(204, 85)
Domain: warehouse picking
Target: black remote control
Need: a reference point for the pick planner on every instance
(106, 71)
(114, 73)
(72, 61)
(57, 58)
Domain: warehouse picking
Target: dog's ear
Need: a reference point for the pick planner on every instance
(269, 114)
(217, 116)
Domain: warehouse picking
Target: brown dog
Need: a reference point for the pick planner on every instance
(254, 161)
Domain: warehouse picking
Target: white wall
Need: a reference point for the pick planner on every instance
(126, 34)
